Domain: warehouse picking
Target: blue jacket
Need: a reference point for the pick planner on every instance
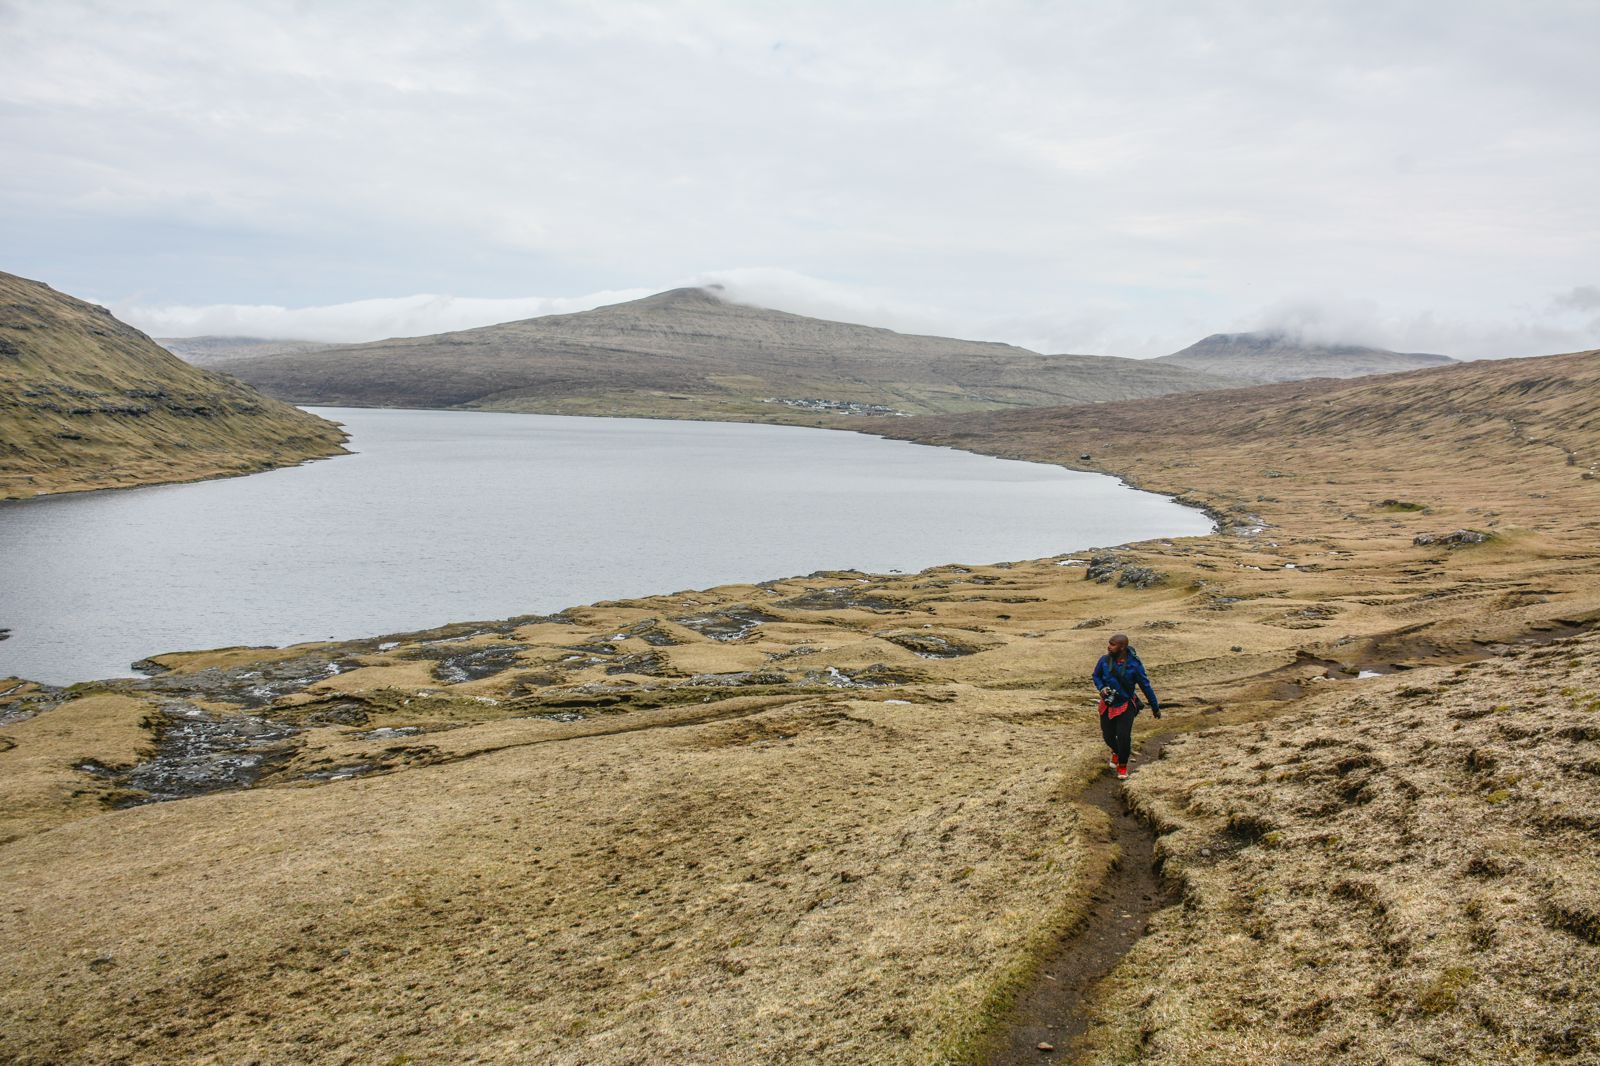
(1123, 677)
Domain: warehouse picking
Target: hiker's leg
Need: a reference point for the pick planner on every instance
(1123, 741)
(1108, 731)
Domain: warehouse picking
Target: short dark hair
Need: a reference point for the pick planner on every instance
(1119, 638)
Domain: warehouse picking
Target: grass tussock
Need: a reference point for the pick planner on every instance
(1429, 895)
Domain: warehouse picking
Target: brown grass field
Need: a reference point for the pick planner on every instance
(836, 819)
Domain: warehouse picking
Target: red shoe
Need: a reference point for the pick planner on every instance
(1122, 773)
(1112, 761)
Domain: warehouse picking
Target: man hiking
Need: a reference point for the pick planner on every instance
(1118, 675)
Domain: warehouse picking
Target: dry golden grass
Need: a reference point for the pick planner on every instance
(39, 787)
(810, 882)
(597, 853)
(1403, 870)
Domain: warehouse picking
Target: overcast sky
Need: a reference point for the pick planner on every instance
(1117, 178)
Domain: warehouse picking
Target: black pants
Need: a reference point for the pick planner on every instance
(1118, 732)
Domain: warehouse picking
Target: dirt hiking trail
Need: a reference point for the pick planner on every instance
(1052, 1012)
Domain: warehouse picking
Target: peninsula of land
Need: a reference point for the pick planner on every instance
(88, 402)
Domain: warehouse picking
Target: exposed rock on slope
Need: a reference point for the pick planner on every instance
(689, 354)
(88, 402)
(1273, 356)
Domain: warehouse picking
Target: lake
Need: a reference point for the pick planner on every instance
(446, 516)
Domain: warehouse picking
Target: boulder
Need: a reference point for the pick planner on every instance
(1458, 539)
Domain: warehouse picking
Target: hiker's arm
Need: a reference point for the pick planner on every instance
(1144, 683)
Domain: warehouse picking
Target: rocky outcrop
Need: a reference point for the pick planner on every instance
(1104, 566)
(1461, 538)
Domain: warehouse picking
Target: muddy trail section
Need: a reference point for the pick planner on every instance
(1050, 1017)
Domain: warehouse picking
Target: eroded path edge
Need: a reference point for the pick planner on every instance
(1054, 1011)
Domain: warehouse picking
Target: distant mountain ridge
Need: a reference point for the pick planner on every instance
(688, 353)
(1275, 356)
(88, 402)
(216, 350)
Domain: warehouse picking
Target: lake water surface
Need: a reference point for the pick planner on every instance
(445, 516)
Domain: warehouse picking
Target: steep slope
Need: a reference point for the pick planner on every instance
(1279, 357)
(87, 402)
(687, 353)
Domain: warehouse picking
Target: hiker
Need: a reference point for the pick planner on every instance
(1118, 675)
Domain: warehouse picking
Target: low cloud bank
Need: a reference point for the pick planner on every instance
(362, 320)
(1568, 323)
(1565, 321)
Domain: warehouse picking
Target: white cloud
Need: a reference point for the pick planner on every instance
(1106, 329)
(1078, 331)
(361, 320)
(801, 294)
(1080, 177)
(1515, 333)
(406, 316)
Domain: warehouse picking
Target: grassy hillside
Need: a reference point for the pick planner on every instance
(842, 818)
(1399, 869)
(87, 402)
(1406, 873)
(1485, 443)
(688, 354)
(1279, 357)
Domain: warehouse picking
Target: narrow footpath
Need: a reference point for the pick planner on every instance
(1050, 1018)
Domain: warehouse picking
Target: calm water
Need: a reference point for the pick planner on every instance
(447, 516)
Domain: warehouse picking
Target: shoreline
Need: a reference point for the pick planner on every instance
(358, 631)
(836, 817)
(218, 475)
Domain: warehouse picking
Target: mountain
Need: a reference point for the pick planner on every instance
(88, 402)
(214, 351)
(687, 353)
(1272, 356)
